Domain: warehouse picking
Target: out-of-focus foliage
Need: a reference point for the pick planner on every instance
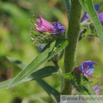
(15, 42)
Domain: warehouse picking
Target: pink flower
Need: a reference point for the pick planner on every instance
(42, 25)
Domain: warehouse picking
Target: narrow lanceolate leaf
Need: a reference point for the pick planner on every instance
(67, 4)
(88, 6)
(44, 56)
(44, 72)
(50, 90)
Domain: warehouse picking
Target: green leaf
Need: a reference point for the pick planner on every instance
(5, 83)
(68, 7)
(39, 99)
(50, 90)
(17, 62)
(88, 6)
(52, 45)
(46, 72)
(44, 56)
(61, 54)
(88, 31)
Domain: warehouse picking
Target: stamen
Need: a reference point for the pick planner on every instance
(33, 29)
(101, 6)
(91, 75)
(100, 91)
(34, 17)
(31, 21)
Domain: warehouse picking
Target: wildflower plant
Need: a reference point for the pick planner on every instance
(54, 42)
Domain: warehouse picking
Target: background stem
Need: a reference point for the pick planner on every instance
(70, 50)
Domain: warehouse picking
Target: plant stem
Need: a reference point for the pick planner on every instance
(70, 50)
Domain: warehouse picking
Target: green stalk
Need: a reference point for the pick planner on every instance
(70, 50)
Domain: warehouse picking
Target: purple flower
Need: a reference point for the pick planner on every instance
(100, 16)
(58, 28)
(41, 47)
(87, 68)
(96, 88)
(86, 16)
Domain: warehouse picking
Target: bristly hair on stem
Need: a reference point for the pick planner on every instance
(70, 50)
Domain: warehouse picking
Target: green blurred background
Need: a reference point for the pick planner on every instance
(15, 42)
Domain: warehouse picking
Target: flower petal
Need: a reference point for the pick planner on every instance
(87, 67)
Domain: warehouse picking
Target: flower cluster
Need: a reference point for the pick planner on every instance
(44, 26)
(46, 31)
(100, 15)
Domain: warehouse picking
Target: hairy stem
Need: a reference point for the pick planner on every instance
(70, 50)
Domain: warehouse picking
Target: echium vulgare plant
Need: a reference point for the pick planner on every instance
(54, 42)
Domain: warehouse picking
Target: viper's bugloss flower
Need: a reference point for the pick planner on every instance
(58, 28)
(86, 16)
(44, 26)
(41, 48)
(96, 88)
(87, 68)
(100, 16)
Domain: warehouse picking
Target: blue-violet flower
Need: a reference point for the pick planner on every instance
(87, 68)
(41, 48)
